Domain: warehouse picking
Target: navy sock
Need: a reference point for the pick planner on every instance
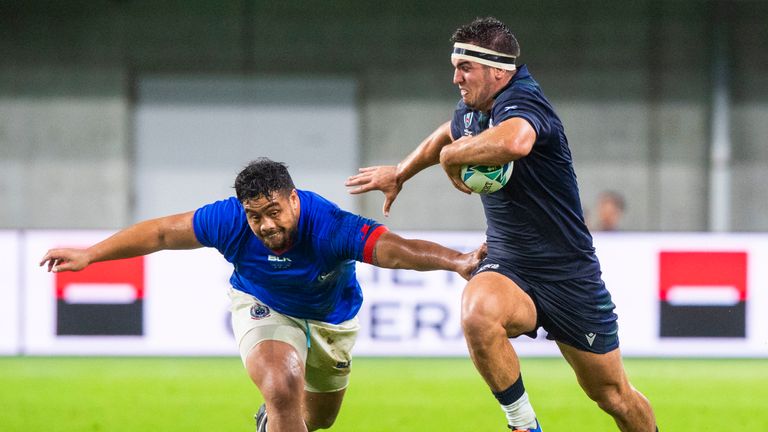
(513, 393)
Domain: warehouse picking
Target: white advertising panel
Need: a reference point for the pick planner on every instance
(9, 293)
(669, 292)
(171, 302)
(675, 294)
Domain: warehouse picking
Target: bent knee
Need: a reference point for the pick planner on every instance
(482, 318)
(613, 400)
(281, 387)
(478, 317)
(277, 385)
(277, 370)
(494, 301)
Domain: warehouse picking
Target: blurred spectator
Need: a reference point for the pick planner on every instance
(610, 210)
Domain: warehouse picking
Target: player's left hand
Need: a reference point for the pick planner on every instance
(383, 178)
(454, 174)
(453, 170)
(471, 260)
(59, 260)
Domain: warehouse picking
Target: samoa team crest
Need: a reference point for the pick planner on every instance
(468, 119)
(259, 311)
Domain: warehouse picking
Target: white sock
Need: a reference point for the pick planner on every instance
(520, 413)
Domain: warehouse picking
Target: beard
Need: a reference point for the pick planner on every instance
(277, 240)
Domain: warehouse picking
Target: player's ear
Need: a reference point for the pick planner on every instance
(294, 200)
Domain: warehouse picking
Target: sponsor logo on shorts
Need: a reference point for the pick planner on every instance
(259, 311)
(343, 364)
(485, 267)
(590, 338)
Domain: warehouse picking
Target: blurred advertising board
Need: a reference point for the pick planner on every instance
(675, 294)
(10, 284)
(168, 303)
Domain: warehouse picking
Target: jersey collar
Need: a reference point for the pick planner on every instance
(522, 73)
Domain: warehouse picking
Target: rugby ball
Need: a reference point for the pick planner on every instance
(486, 179)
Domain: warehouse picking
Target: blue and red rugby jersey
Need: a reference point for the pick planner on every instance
(314, 279)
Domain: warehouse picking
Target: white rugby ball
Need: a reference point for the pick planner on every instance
(486, 179)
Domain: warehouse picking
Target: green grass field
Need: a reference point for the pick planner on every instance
(214, 394)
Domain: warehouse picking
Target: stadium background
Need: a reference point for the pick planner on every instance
(633, 81)
(101, 102)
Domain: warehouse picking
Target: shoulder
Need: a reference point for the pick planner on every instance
(229, 206)
(215, 224)
(324, 216)
(520, 90)
(523, 98)
(317, 213)
(315, 204)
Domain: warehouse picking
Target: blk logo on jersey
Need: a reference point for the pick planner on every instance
(105, 299)
(279, 262)
(703, 294)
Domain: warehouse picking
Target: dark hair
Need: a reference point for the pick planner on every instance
(261, 178)
(488, 33)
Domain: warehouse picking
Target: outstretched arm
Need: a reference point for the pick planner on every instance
(393, 251)
(389, 178)
(170, 232)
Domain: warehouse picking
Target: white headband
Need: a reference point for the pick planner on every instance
(484, 56)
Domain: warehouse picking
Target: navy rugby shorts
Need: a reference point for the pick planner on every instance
(577, 312)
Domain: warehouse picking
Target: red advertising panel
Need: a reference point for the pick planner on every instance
(703, 293)
(104, 299)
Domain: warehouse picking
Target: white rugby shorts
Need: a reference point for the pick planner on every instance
(324, 347)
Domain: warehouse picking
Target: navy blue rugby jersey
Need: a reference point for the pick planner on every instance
(535, 222)
(314, 279)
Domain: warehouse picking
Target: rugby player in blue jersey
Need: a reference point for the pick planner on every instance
(541, 269)
(294, 296)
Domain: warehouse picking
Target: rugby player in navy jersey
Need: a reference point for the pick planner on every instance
(294, 295)
(541, 269)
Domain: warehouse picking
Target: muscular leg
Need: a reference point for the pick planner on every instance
(321, 409)
(603, 379)
(278, 371)
(494, 308)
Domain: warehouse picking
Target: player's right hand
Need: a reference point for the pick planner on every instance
(59, 260)
(471, 260)
(382, 177)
